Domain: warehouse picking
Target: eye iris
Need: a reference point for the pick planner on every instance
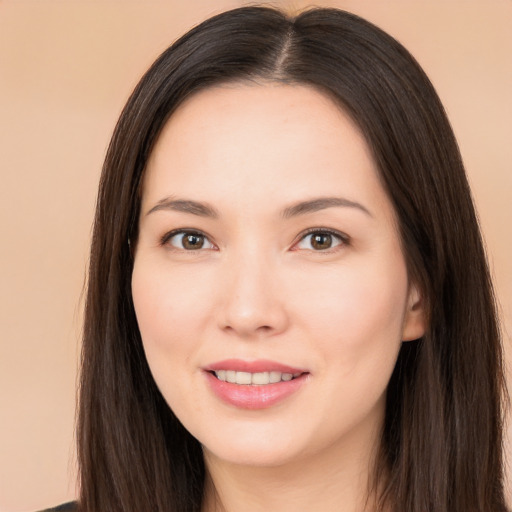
(192, 241)
(321, 241)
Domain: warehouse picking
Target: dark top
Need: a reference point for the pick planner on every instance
(66, 507)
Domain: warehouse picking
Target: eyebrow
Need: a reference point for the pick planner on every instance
(185, 206)
(321, 203)
(300, 208)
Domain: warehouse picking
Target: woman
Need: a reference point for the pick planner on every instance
(288, 305)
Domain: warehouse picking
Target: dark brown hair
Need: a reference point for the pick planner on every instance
(441, 447)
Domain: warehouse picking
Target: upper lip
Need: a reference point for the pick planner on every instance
(257, 366)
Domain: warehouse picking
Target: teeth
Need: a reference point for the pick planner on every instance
(275, 377)
(260, 378)
(243, 378)
(256, 379)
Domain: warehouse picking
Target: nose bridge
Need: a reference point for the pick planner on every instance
(253, 303)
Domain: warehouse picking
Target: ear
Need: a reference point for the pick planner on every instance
(415, 318)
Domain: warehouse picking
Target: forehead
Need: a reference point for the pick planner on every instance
(246, 112)
(280, 142)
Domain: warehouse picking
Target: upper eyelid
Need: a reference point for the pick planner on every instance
(178, 231)
(324, 230)
(344, 237)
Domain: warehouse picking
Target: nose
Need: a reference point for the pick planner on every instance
(253, 303)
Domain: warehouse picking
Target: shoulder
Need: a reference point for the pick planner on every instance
(66, 507)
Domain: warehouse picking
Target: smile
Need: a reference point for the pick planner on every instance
(254, 384)
(254, 379)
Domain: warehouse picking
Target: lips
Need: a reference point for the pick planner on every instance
(254, 384)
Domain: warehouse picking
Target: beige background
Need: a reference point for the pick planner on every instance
(66, 69)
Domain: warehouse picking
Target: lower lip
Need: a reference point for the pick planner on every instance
(254, 396)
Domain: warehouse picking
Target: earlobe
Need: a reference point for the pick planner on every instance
(414, 325)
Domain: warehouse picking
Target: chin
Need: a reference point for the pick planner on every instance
(252, 444)
(253, 455)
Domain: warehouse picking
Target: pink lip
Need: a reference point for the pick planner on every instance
(260, 365)
(254, 396)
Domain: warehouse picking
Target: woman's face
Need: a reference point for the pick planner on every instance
(268, 250)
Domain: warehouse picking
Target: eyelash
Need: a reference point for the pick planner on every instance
(343, 239)
(168, 236)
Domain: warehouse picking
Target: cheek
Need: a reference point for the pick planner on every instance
(170, 308)
(351, 297)
(355, 316)
(168, 303)
(354, 324)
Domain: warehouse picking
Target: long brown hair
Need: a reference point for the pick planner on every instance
(441, 447)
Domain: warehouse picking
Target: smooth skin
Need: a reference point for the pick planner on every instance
(249, 274)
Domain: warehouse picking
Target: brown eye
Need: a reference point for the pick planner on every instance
(320, 241)
(190, 241)
(193, 241)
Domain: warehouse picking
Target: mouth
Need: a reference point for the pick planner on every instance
(254, 384)
(254, 379)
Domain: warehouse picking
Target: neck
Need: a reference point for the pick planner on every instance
(338, 480)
